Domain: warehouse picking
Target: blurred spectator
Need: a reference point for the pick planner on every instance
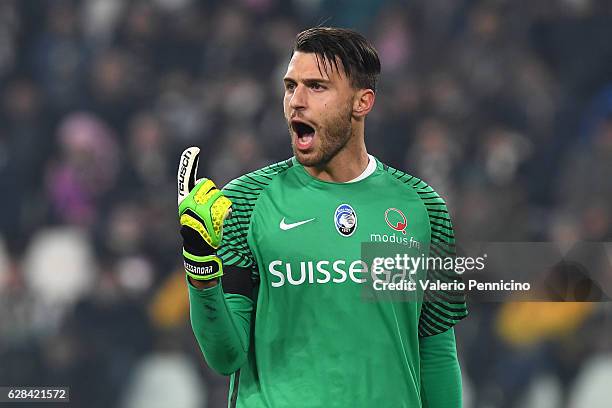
(86, 168)
(66, 255)
(23, 152)
(164, 380)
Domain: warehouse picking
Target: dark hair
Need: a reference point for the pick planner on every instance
(358, 57)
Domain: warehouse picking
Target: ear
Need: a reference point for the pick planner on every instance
(363, 102)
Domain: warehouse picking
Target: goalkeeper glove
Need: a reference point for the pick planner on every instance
(202, 210)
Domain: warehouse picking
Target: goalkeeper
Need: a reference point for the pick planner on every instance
(273, 261)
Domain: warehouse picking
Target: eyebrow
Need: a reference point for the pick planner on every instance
(308, 80)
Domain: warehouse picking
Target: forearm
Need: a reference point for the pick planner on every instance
(440, 372)
(221, 324)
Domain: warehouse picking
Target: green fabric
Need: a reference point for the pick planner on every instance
(221, 324)
(317, 341)
(440, 372)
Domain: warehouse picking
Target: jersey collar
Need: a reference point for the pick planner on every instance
(370, 168)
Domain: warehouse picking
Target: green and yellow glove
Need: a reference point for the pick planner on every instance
(202, 208)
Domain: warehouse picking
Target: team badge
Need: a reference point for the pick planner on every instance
(396, 220)
(345, 220)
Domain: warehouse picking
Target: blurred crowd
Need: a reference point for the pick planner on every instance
(504, 107)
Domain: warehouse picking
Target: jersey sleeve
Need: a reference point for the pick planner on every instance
(440, 371)
(244, 192)
(441, 309)
(221, 315)
(235, 250)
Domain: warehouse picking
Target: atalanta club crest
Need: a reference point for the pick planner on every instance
(345, 219)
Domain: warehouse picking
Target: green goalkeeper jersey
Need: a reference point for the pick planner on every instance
(316, 339)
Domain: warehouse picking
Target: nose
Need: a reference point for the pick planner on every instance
(298, 98)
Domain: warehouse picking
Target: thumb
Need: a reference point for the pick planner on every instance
(187, 170)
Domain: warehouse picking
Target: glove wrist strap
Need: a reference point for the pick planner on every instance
(202, 267)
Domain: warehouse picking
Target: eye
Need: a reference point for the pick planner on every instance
(289, 86)
(316, 86)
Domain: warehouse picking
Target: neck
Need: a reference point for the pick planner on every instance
(346, 165)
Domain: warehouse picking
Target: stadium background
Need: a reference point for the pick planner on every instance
(505, 107)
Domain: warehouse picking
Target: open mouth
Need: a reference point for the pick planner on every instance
(305, 134)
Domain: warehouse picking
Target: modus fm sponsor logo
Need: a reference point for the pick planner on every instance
(397, 221)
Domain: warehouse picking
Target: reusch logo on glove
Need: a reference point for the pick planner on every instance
(182, 190)
(187, 170)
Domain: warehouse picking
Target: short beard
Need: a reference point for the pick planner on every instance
(338, 134)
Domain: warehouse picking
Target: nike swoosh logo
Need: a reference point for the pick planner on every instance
(284, 226)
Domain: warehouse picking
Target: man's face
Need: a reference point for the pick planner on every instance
(318, 108)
